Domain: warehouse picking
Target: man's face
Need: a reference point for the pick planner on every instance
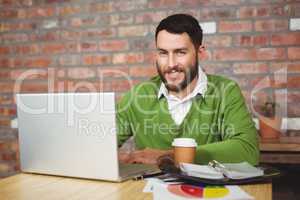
(177, 60)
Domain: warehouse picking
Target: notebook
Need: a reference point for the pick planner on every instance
(241, 170)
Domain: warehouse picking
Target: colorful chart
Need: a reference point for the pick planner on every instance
(191, 191)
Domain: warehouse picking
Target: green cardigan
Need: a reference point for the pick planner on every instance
(219, 121)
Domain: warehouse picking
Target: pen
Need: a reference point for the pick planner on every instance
(143, 176)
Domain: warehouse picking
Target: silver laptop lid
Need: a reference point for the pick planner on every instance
(68, 134)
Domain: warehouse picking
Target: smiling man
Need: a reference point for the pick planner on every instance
(183, 101)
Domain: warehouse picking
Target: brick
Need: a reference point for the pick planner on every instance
(113, 45)
(286, 10)
(70, 35)
(69, 10)
(235, 26)
(6, 87)
(6, 99)
(261, 40)
(56, 1)
(293, 96)
(130, 31)
(247, 12)
(11, 62)
(8, 112)
(88, 46)
(27, 49)
(69, 60)
(129, 5)
(8, 14)
(293, 110)
(45, 36)
(4, 74)
(293, 82)
(128, 58)
(100, 7)
(294, 53)
(72, 47)
(81, 73)
(13, 37)
(37, 62)
(96, 59)
(271, 25)
(17, 62)
(150, 57)
(255, 11)
(4, 50)
(142, 71)
(53, 48)
(286, 39)
(9, 156)
(83, 21)
(150, 17)
(220, 13)
(113, 72)
(4, 27)
(121, 85)
(292, 67)
(99, 33)
(5, 62)
(234, 54)
(121, 19)
(82, 86)
(164, 3)
(35, 74)
(251, 40)
(270, 54)
(250, 68)
(217, 41)
(142, 44)
(33, 87)
(40, 12)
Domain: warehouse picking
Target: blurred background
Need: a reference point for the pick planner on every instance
(94, 45)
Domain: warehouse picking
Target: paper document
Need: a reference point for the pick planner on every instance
(166, 191)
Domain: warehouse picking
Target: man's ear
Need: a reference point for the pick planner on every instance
(201, 52)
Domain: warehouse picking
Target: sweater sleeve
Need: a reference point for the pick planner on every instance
(239, 136)
(123, 123)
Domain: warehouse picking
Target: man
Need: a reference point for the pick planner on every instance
(185, 102)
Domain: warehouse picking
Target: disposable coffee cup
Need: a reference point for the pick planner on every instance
(184, 150)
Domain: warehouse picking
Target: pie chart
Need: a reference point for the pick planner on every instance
(192, 191)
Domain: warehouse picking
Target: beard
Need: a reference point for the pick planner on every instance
(190, 73)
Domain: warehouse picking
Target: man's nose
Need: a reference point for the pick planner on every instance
(171, 60)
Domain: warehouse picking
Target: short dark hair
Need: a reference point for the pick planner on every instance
(182, 23)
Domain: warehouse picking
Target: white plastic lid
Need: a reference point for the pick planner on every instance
(184, 142)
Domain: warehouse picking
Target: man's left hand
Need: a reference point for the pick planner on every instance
(147, 156)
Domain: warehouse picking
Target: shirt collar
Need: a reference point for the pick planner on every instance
(200, 88)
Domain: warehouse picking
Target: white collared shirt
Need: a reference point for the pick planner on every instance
(179, 108)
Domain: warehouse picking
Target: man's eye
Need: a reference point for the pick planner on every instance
(162, 53)
(181, 53)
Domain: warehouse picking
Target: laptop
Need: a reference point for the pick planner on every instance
(72, 134)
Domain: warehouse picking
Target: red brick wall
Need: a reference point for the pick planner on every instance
(87, 45)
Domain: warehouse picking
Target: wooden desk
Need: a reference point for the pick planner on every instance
(29, 187)
(276, 152)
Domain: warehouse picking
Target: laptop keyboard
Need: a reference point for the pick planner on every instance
(135, 169)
